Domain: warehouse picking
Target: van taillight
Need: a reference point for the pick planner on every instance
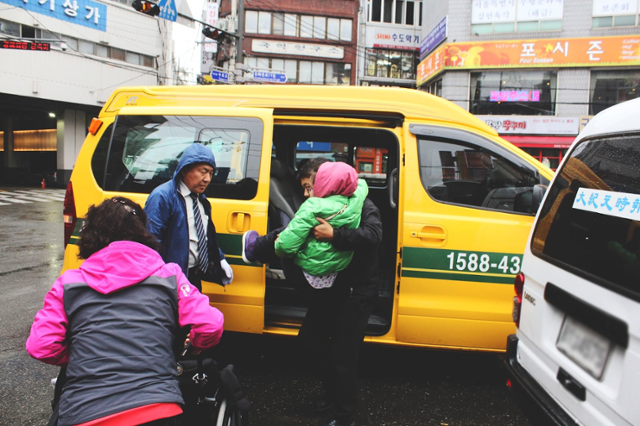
(517, 299)
(69, 214)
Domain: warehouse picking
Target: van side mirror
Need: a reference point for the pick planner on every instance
(538, 194)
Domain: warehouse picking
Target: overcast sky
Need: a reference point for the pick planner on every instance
(186, 41)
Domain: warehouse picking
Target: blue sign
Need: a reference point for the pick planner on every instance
(168, 10)
(434, 38)
(219, 76)
(87, 13)
(314, 146)
(271, 77)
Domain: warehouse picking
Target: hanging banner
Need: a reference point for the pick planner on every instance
(543, 53)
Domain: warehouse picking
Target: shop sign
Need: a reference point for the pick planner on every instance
(584, 120)
(391, 37)
(297, 48)
(87, 13)
(434, 38)
(432, 65)
(496, 11)
(614, 7)
(515, 96)
(532, 124)
(543, 53)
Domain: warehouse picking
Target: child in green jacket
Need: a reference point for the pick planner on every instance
(338, 196)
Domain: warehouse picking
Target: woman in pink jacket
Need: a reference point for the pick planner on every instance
(114, 324)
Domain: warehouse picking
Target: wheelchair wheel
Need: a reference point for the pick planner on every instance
(231, 416)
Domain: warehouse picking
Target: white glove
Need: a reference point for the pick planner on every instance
(228, 272)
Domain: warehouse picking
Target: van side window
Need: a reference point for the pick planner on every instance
(145, 152)
(470, 175)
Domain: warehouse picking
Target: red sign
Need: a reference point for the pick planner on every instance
(24, 45)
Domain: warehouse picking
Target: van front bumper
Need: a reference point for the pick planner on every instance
(532, 397)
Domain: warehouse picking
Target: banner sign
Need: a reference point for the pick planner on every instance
(434, 38)
(514, 96)
(87, 13)
(614, 7)
(617, 204)
(297, 48)
(532, 124)
(544, 53)
(392, 38)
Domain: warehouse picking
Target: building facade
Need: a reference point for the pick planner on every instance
(389, 42)
(311, 42)
(533, 70)
(59, 62)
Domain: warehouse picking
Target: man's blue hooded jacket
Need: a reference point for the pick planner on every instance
(167, 214)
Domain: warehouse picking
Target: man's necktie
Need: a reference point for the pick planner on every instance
(203, 257)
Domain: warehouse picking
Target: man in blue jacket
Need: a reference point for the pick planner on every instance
(179, 215)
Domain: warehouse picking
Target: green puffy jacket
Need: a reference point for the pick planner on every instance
(315, 257)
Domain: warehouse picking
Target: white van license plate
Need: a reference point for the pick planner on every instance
(584, 346)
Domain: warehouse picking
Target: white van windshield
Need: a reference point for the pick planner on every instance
(590, 221)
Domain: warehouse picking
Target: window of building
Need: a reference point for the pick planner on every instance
(398, 64)
(435, 88)
(488, 17)
(85, 47)
(290, 24)
(612, 87)
(10, 28)
(304, 72)
(400, 12)
(614, 13)
(513, 92)
(551, 157)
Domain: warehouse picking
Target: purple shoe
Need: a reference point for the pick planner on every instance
(248, 241)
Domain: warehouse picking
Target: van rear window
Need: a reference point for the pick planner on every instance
(590, 221)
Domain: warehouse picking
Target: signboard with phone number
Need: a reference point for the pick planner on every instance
(23, 45)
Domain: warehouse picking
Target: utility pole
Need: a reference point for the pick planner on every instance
(240, 52)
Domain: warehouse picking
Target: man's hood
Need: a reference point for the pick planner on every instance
(121, 264)
(196, 153)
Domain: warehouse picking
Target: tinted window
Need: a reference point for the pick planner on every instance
(471, 175)
(590, 221)
(145, 152)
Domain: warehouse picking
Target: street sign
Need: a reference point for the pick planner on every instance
(168, 10)
(269, 77)
(219, 76)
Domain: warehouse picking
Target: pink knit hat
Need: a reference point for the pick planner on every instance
(335, 179)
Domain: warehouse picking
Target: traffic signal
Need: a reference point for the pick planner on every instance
(146, 7)
(213, 33)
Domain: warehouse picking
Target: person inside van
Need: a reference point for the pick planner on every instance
(180, 218)
(114, 321)
(333, 329)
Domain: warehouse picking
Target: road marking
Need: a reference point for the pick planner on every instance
(22, 196)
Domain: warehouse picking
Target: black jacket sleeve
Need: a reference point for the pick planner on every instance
(367, 235)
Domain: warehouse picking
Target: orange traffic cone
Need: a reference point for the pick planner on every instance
(43, 185)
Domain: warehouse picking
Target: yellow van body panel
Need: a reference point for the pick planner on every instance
(435, 303)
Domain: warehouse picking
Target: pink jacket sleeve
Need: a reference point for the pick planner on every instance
(47, 340)
(194, 310)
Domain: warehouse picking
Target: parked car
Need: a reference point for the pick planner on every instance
(576, 352)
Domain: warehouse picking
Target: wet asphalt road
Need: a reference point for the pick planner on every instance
(399, 386)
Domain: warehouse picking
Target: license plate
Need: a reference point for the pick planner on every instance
(587, 348)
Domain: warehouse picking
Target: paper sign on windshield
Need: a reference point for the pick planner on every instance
(618, 204)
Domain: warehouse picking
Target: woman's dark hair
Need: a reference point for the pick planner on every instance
(310, 167)
(115, 219)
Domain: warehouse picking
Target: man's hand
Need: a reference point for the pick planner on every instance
(324, 231)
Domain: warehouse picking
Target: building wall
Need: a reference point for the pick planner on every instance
(572, 100)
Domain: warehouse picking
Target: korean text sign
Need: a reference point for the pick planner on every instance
(87, 13)
(545, 53)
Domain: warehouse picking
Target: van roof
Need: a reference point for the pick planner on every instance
(619, 118)
(411, 103)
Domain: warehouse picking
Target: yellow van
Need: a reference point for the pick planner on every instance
(457, 201)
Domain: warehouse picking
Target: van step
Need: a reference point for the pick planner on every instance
(292, 316)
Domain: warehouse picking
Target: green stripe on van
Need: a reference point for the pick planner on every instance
(458, 277)
(460, 265)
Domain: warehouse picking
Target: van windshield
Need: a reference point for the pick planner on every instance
(590, 221)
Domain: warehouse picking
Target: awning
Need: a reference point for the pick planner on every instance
(540, 141)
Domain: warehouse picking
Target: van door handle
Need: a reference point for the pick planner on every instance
(431, 234)
(239, 222)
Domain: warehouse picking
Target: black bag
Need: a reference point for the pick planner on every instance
(198, 380)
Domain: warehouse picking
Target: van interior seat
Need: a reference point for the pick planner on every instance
(283, 195)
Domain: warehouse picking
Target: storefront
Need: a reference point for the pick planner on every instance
(392, 55)
(544, 138)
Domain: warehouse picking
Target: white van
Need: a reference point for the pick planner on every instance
(576, 353)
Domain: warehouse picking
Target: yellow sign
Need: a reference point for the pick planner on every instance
(543, 53)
